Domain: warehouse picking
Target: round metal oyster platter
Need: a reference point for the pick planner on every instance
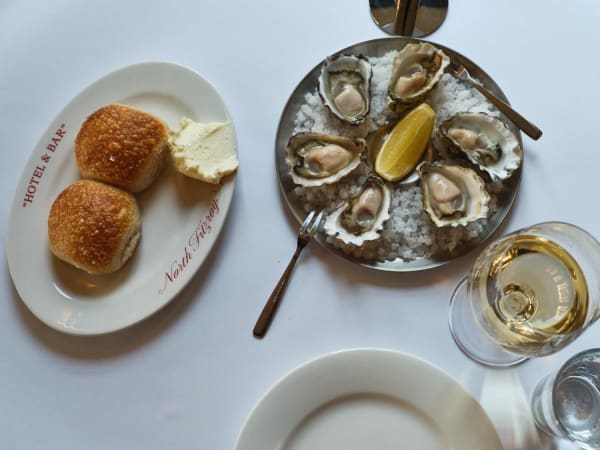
(287, 128)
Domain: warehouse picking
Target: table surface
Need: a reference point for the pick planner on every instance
(188, 376)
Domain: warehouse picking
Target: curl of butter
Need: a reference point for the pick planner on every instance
(204, 151)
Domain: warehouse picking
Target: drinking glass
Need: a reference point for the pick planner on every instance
(566, 404)
(528, 294)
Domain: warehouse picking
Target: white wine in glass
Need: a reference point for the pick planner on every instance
(528, 294)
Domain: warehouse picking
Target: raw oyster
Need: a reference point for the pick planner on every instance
(452, 195)
(362, 217)
(315, 159)
(344, 87)
(485, 140)
(416, 70)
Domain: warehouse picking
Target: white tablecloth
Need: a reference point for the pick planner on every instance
(188, 376)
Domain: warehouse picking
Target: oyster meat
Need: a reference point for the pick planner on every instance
(362, 217)
(453, 195)
(485, 140)
(344, 87)
(416, 70)
(315, 159)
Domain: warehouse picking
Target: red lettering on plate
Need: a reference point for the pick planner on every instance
(38, 172)
(203, 229)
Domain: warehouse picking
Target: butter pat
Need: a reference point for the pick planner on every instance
(205, 151)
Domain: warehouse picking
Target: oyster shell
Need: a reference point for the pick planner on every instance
(485, 140)
(416, 70)
(362, 217)
(315, 159)
(344, 87)
(452, 195)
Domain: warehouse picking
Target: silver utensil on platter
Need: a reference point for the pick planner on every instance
(460, 72)
(309, 227)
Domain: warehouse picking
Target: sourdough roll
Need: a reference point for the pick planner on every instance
(122, 146)
(94, 226)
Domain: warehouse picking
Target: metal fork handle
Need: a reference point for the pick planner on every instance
(525, 125)
(266, 316)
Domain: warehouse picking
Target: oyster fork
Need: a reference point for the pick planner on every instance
(309, 227)
(460, 72)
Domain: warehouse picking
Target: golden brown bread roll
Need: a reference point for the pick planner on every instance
(122, 146)
(94, 226)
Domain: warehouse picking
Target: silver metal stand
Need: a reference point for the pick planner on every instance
(413, 18)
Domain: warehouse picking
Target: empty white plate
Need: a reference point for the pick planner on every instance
(368, 399)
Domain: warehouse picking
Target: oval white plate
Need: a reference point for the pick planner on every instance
(368, 399)
(181, 217)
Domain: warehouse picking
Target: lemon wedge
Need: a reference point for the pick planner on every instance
(406, 143)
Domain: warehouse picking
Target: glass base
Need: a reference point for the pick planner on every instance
(469, 337)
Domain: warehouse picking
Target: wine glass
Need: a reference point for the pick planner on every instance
(528, 294)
